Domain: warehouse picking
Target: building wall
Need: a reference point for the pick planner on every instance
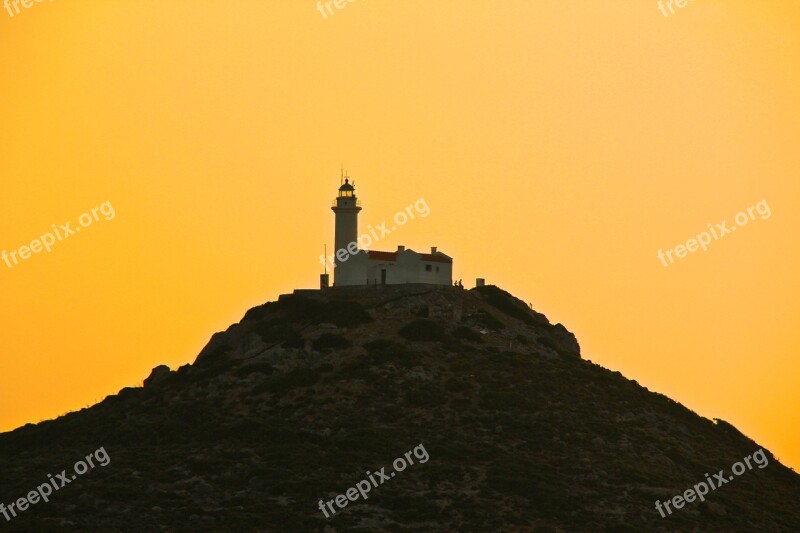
(410, 268)
(351, 272)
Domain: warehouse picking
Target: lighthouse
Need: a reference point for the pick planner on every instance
(356, 266)
(346, 207)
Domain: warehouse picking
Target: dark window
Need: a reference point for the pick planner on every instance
(437, 269)
(428, 268)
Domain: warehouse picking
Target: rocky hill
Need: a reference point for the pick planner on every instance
(286, 420)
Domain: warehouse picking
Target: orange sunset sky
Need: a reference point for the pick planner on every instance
(558, 145)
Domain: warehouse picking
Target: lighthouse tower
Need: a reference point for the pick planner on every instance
(346, 207)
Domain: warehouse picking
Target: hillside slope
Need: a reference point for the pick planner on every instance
(305, 396)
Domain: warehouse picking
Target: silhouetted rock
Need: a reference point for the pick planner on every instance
(159, 374)
(304, 395)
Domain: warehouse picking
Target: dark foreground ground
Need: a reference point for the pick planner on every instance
(301, 399)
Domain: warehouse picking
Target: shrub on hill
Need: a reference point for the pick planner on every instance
(330, 341)
(487, 320)
(422, 330)
(467, 334)
(300, 309)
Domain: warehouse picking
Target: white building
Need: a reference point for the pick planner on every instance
(370, 267)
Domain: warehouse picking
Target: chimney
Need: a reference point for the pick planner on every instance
(433, 249)
(480, 282)
(401, 248)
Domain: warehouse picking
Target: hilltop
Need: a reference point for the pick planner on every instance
(297, 401)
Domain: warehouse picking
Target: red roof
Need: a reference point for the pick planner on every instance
(436, 258)
(392, 256)
(382, 256)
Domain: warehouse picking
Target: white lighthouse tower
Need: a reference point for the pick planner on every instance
(346, 208)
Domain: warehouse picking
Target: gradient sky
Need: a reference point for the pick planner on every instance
(559, 146)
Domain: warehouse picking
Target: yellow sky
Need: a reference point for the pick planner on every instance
(559, 146)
